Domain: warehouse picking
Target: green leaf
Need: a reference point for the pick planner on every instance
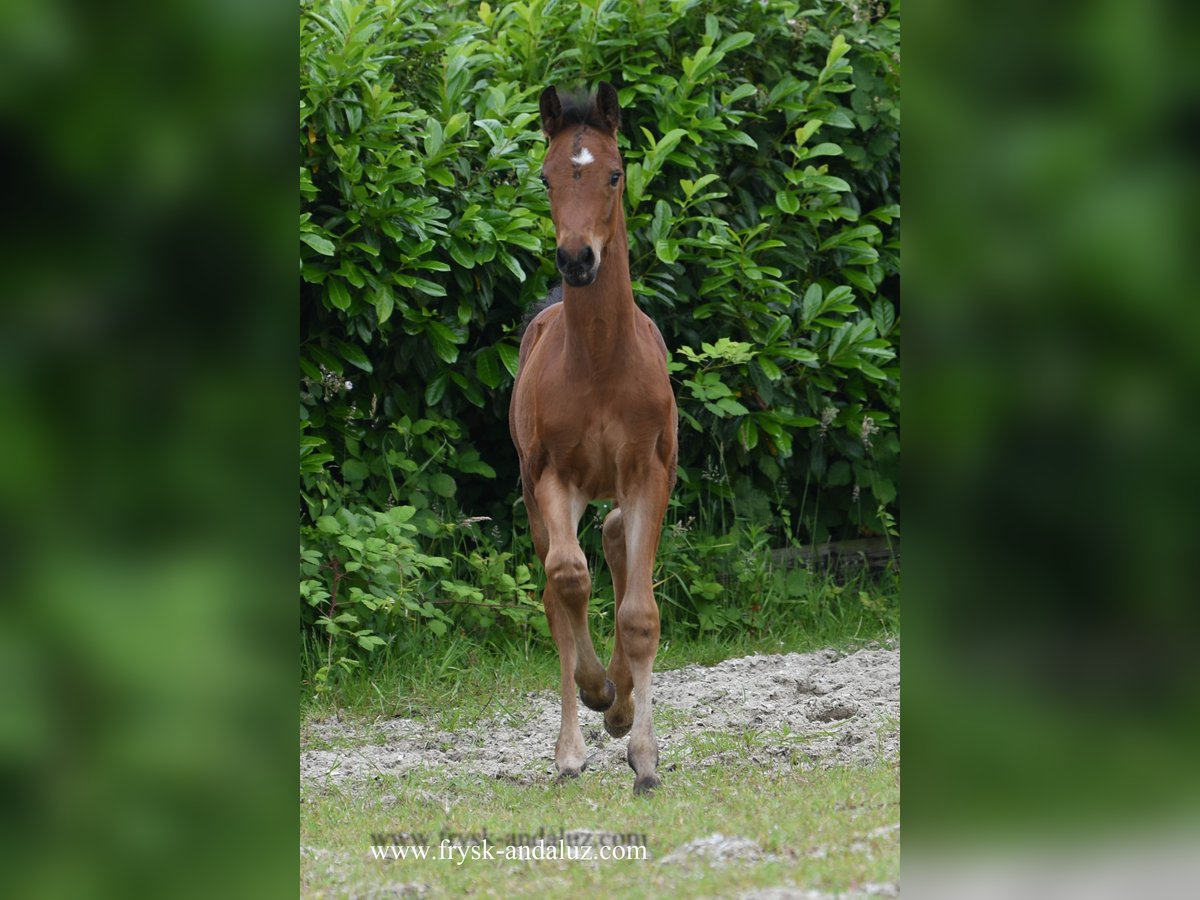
(509, 262)
(801, 421)
(442, 485)
(509, 355)
(324, 358)
(850, 234)
(336, 294)
(769, 368)
(883, 314)
(354, 355)
(433, 136)
(523, 239)
(741, 92)
(829, 182)
(871, 370)
(858, 279)
(837, 118)
(443, 340)
(812, 302)
(838, 474)
(787, 201)
(355, 470)
(661, 223)
(318, 243)
(735, 42)
(669, 142)
(462, 254)
(436, 389)
(825, 149)
(884, 490)
(807, 130)
(398, 515)
(635, 184)
(487, 368)
(839, 294)
(329, 525)
(778, 329)
(886, 213)
(431, 288)
(799, 354)
(748, 434)
(667, 251)
(385, 303)
(837, 50)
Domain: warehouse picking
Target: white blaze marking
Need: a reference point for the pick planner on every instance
(584, 157)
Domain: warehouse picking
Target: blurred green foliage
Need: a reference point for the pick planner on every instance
(147, 347)
(1051, 682)
(761, 149)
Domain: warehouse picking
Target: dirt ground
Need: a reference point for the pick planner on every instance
(797, 709)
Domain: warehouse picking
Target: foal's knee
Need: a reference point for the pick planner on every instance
(613, 531)
(639, 627)
(567, 572)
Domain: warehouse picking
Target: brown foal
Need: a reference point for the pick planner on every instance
(593, 417)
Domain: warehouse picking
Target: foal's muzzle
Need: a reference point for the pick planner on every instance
(578, 269)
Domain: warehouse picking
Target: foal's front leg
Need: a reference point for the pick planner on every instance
(638, 621)
(570, 754)
(568, 588)
(618, 718)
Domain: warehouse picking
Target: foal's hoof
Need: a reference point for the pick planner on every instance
(604, 701)
(633, 765)
(645, 785)
(571, 773)
(617, 728)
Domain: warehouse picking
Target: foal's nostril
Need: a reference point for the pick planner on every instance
(576, 266)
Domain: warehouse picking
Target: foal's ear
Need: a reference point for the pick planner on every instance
(609, 106)
(552, 113)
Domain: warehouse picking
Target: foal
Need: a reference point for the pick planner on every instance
(593, 417)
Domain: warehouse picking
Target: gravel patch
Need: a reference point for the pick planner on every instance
(794, 710)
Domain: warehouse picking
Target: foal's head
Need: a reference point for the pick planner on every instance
(583, 174)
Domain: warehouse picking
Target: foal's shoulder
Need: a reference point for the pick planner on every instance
(652, 327)
(533, 330)
(537, 320)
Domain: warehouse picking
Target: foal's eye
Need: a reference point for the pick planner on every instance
(616, 176)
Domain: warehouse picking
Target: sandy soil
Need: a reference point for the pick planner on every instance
(796, 709)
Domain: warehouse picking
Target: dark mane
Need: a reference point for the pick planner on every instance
(555, 296)
(579, 108)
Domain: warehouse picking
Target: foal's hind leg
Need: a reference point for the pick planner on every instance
(619, 717)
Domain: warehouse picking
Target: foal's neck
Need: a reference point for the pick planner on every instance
(600, 317)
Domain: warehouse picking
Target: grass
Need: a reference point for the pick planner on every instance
(457, 684)
(827, 830)
(458, 681)
(824, 829)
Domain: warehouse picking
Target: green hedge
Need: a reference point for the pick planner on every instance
(762, 157)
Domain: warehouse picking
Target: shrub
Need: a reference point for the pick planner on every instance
(761, 150)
